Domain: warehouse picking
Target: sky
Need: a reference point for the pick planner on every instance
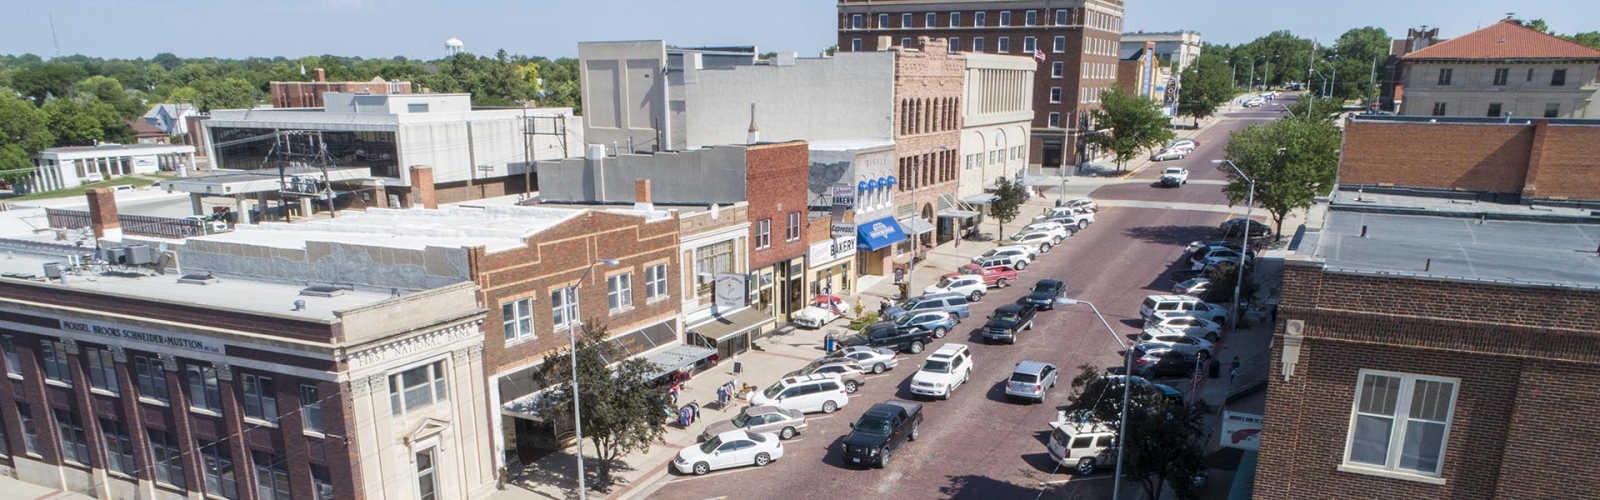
(552, 28)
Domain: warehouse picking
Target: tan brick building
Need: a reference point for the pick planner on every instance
(1534, 160)
(309, 94)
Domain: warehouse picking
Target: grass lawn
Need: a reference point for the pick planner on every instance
(78, 191)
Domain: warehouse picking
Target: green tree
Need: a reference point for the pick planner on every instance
(1310, 107)
(1536, 24)
(226, 93)
(110, 91)
(1162, 439)
(41, 82)
(1223, 276)
(1291, 161)
(622, 413)
(1589, 38)
(1128, 125)
(1205, 86)
(1007, 203)
(72, 123)
(24, 130)
(1360, 51)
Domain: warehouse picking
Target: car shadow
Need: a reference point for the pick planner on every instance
(1043, 463)
(997, 393)
(968, 487)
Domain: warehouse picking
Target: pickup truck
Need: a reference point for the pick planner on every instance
(1174, 177)
(887, 334)
(881, 431)
(1007, 322)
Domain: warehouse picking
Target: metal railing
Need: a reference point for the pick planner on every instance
(135, 225)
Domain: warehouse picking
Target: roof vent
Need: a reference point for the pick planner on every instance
(322, 291)
(198, 279)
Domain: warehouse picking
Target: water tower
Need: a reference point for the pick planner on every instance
(454, 46)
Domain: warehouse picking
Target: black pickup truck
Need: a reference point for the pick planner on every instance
(1008, 321)
(886, 334)
(881, 431)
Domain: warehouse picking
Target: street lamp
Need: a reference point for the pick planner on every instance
(1286, 110)
(1238, 274)
(1127, 386)
(577, 413)
(916, 241)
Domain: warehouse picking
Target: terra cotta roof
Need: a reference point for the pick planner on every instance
(1505, 40)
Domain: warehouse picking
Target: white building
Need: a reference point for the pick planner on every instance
(1503, 70)
(69, 167)
(1180, 46)
(996, 115)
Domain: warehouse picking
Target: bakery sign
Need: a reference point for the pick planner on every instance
(844, 195)
(132, 338)
(831, 250)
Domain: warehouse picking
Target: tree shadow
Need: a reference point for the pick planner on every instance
(560, 470)
(1170, 235)
(984, 487)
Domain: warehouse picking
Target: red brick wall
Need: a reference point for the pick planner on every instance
(1569, 163)
(932, 80)
(775, 186)
(1506, 158)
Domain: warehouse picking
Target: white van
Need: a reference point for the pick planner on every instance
(805, 394)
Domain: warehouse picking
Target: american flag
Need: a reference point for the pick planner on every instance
(1038, 54)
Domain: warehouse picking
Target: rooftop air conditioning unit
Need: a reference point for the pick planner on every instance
(139, 255)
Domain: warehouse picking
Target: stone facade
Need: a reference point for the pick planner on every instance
(928, 97)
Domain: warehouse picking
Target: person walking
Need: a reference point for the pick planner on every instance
(676, 386)
(1233, 370)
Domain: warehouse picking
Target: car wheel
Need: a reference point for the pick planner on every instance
(850, 387)
(1000, 283)
(1021, 265)
(787, 433)
(884, 461)
(878, 368)
(1044, 248)
(701, 468)
(1086, 466)
(1055, 240)
(830, 407)
(1083, 224)
(975, 296)
(916, 348)
(913, 436)
(947, 392)
(762, 459)
(939, 332)
(1029, 327)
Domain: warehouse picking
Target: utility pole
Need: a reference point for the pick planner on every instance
(1266, 74)
(1251, 85)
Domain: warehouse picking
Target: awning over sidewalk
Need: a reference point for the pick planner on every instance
(959, 214)
(721, 327)
(980, 199)
(916, 225)
(676, 358)
(1037, 180)
(879, 234)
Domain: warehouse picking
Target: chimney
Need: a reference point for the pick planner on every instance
(103, 214)
(754, 135)
(641, 195)
(422, 186)
(322, 76)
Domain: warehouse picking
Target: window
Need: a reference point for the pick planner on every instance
(955, 19)
(1438, 109)
(310, 408)
(152, 380)
(272, 476)
(855, 45)
(794, 227)
(259, 400)
(1030, 18)
(980, 18)
(119, 447)
(30, 434)
(321, 482)
(54, 355)
(1054, 120)
(905, 21)
(517, 319)
(1060, 45)
(218, 466)
(763, 233)
(977, 44)
(711, 260)
(1494, 109)
(1400, 422)
(1057, 69)
(1061, 17)
(102, 369)
(1055, 94)
(619, 292)
(564, 307)
(166, 458)
(1552, 110)
(74, 445)
(1005, 18)
(1530, 74)
(1558, 78)
(1003, 45)
(203, 392)
(417, 107)
(13, 362)
(1500, 75)
(417, 388)
(855, 21)
(930, 20)
(905, 42)
(955, 44)
(1444, 76)
(883, 21)
(1029, 44)
(655, 282)
(426, 476)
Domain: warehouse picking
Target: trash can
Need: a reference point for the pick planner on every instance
(827, 344)
(1214, 369)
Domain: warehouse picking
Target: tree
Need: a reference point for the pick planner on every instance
(621, 410)
(72, 123)
(1205, 86)
(1161, 442)
(1128, 125)
(226, 93)
(41, 82)
(1310, 107)
(1222, 277)
(1359, 52)
(24, 130)
(1589, 38)
(1007, 203)
(1536, 24)
(1291, 161)
(110, 91)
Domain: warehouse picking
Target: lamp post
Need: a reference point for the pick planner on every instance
(1287, 110)
(1127, 386)
(1238, 274)
(916, 241)
(577, 412)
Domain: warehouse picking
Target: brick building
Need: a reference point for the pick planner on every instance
(1079, 41)
(309, 94)
(1504, 69)
(1390, 90)
(1527, 160)
(1430, 354)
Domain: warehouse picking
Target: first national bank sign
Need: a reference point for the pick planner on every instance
(143, 337)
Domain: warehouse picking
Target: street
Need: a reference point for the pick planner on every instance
(978, 445)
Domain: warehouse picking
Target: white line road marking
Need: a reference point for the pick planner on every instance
(1064, 481)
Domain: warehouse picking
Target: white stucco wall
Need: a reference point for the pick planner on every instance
(1472, 90)
(846, 97)
(623, 88)
(997, 115)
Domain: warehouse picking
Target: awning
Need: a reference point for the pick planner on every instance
(1036, 180)
(676, 358)
(878, 234)
(916, 225)
(980, 199)
(959, 214)
(723, 326)
(639, 341)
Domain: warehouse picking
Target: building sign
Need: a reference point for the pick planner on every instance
(137, 336)
(731, 291)
(844, 195)
(843, 229)
(1241, 430)
(879, 230)
(831, 250)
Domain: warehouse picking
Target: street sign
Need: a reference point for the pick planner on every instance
(844, 195)
(1241, 430)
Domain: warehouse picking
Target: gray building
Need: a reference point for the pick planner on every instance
(1182, 47)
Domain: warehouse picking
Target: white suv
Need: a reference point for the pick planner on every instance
(1163, 306)
(968, 285)
(805, 394)
(1041, 241)
(946, 368)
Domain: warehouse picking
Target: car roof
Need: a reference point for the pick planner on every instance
(736, 434)
(1031, 367)
(1171, 297)
(940, 295)
(762, 410)
(1010, 307)
(1050, 282)
(800, 379)
(948, 350)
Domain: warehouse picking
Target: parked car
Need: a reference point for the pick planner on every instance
(1082, 446)
(823, 309)
(885, 334)
(1082, 203)
(1174, 177)
(1254, 101)
(1175, 340)
(761, 420)
(806, 394)
(1186, 274)
(847, 371)
(1007, 321)
(881, 431)
(1010, 250)
(1169, 154)
(936, 322)
(1233, 228)
(1192, 287)
(1067, 216)
(1031, 380)
(1151, 362)
(993, 276)
(1045, 293)
(1115, 381)
(1037, 240)
(727, 450)
(1051, 227)
(1018, 261)
(953, 303)
(1182, 142)
(943, 371)
(1181, 305)
(871, 359)
(1203, 328)
(1218, 255)
(1195, 246)
(970, 286)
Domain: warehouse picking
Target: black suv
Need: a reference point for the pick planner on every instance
(1045, 293)
(1007, 321)
(887, 334)
(881, 431)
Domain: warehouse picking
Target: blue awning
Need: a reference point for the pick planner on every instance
(879, 233)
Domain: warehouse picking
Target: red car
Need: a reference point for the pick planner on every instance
(993, 276)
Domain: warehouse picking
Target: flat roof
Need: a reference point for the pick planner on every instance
(849, 144)
(495, 227)
(130, 149)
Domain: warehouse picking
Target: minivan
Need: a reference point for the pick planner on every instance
(953, 303)
(1084, 447)
(805, 394)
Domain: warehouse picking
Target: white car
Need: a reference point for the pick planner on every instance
(967, 285)
(1170, 154)
(871, 359)
(1175, 340)
(1050, 226)
(729, 449)
(1181, 174)
(1057, 233)
(1254, 101)
(943, 371)
(823, 309)
(1203, 328)
(1012, 250)
(1083, 203)
(1190, 143)
(1193, 287)
(1039, 241)
(1220, 255)
(1066, 216)
(805, 394)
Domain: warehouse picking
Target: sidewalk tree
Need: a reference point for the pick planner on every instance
(1204, 86)
(1291, 161)
(1315, 107)
(1360, 52)
(1162, 438)
(621, 410)
(1128, 125)
(1007, 203)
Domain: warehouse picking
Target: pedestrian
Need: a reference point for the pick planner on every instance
(1059, 203)
(883, 306)
(1233, 370)
(676, 386)
(694, 411)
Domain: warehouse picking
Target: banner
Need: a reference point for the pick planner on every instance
(1241, 430)
(731, 291)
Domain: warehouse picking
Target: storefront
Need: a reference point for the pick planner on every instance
(875, 245)
(829, 264)
(728, 333)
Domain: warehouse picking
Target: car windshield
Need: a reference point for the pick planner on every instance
(872, 425)
(711, 445)
(741, 419)
(1007, 316)
(946, 283)
(936, 366)
(773, 391)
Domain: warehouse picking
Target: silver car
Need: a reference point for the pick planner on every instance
(761, 419)
(870, 359)
(847, 371)
(1031, 380)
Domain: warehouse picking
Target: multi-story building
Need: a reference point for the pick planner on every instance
(1173, 49)
(73, 166)
(877, 238)
(309, 94)
(1401, 369)
(1505, 69)
(1390, 90)
(996, 113)
(240, 375)
(1075, 41)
